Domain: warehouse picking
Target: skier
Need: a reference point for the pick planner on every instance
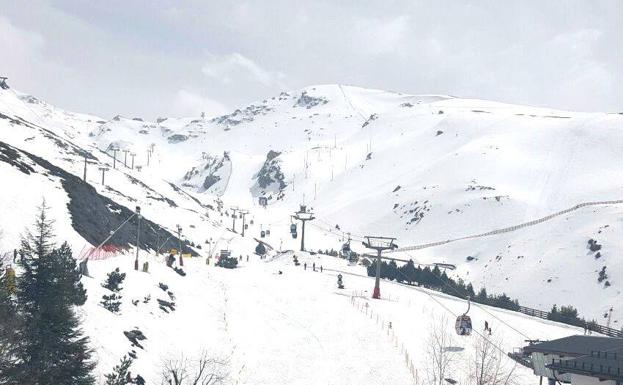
(305, 266)
(247, 257)
(321, 268)
(486, 326)
(314, 266)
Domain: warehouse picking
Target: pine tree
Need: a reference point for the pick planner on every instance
(119, 373)
(111, 302)
(113, 280)
(52, 350)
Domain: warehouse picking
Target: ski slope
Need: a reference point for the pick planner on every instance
(422, 168)
(295, 327)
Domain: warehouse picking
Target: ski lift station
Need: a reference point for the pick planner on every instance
(576, 360)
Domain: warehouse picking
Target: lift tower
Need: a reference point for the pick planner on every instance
(379, 244)
(303, 215)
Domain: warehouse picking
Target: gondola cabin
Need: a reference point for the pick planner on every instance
(463, 325)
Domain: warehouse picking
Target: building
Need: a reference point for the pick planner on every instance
(577, 360)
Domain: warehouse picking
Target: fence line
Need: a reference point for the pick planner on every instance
(510, 228)
(593, 326)
(389, 331)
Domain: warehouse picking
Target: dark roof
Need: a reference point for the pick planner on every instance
(576, 345)
(599, 364)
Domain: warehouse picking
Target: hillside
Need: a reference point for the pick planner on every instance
(422, 168)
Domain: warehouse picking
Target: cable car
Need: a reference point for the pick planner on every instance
(294, 235)
(251, 221)
(463, 323)
(267, 232)
(246, 226)
(262, 234)
(293, 228)
(346, 249)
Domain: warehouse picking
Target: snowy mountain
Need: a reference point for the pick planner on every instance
(425, 169)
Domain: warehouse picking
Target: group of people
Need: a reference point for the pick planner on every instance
(313, 266)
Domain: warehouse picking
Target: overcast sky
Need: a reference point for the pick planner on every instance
(154, 58)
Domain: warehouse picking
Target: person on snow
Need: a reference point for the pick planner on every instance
(247, 257)
(321, 268)
(305, 266)
(314, 266)
(486, 326)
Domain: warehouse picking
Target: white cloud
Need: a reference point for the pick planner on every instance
(187, 103)
(227, 68)
(382, 36)
(19, 47)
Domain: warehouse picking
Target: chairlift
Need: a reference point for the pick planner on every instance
(262, 234)
(463, 323)
(267, 232)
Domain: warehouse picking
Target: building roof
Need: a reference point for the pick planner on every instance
(599, 364)
(576, 345)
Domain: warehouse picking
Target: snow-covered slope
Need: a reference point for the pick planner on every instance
(424, 169)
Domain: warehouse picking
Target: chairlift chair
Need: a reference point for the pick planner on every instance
(262, 234)
(463, 323)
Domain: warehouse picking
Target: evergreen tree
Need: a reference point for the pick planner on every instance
(114, 280)
(52, 349)
(470, 290)
(392, 270)
(111, 302)
(119, 373)
(482, 296)
(227, 262)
